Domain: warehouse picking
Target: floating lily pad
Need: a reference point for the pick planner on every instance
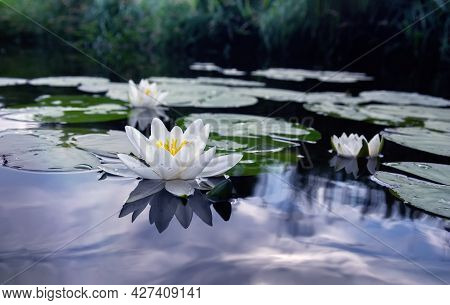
(68, 81)
(252, 126)
(381, 114)
(207, 66)
(430, 197)
(68, 109)
(299, 75)
(437, 125)
(421, 139)
(265, 142)
(183, 93)
(439, 173)
(42, 150)
(12, 81)
(207, 80)
(403, 98)
(109, 145)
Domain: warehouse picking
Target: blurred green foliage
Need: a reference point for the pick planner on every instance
(325, 29)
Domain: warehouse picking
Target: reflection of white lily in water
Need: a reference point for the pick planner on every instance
(142, 117)
(353, 146)
(349, 164)
(163, 206)
(145, 94)
(176, 158)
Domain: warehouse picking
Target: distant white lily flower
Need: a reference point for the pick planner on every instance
(375, 145)
(145, 94)
(354, 146)
(178, 159)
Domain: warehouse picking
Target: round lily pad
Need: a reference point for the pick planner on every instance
(12, 81)
(299, 75)
(403, 98)
(68, 109)
(430, 197)
(42, 150)
(421, 139)
(439, 173)
(266, 143)
(67, 81)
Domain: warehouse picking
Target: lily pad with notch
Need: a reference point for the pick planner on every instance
(43, 150)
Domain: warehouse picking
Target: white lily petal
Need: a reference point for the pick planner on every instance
(138, 167)
(159, 131)
(199, 165)
(374, 146)
(138, 140)
(179, 188)
(220, 165)
(118, 169)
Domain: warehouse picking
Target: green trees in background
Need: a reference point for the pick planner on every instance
(338, 29)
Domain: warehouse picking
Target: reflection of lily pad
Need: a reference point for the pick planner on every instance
(301, 74)
(439, 173)
(403, 98)
(41, 150)
(12, 81)
(68, 109)
(421, 139)
(430, 197)
(68, 81)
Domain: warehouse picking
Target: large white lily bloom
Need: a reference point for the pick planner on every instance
(178, 159)
(354, 146)
(145, 94)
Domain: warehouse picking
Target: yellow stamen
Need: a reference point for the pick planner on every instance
(147, 91)
(171, 146)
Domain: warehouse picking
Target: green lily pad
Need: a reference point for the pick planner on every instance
(12, 81)
(207, 66)
(403, 98)
(67, 81)
(234, 126)
(68, 109)
(266, 143)
(396, 115)
(437, 125)
(42, 150)
(439, 173)
(421, 139)
(430, 197)
(183, 93)
(207, 81)
(299, 75)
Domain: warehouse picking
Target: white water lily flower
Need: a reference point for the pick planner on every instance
(145, 94)
(178, 159)
(354, 146)
(347, 146)
(375, 145)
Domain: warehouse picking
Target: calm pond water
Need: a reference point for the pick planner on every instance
(297, 223)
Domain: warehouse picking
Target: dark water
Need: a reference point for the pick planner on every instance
(298, 224)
